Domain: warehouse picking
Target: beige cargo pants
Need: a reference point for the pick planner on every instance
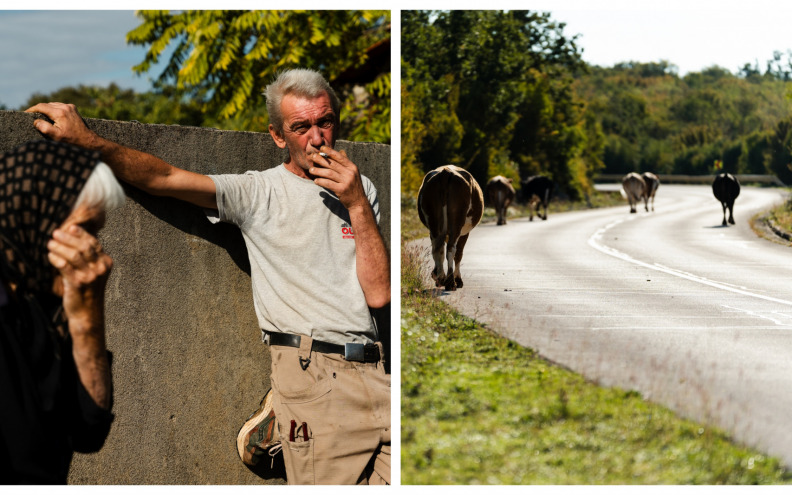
(334, 417)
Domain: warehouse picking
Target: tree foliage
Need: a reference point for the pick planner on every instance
(224, 59)
(492, 92)
(656, 121)
(507, 93)
(114, 103)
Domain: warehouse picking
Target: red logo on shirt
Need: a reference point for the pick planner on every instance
(346, 232)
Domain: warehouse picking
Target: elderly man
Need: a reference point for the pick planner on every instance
(318, 264)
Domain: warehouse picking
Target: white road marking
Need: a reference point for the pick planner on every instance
(594, 241)
(778, 322)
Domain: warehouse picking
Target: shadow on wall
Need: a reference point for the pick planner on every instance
(189, 366)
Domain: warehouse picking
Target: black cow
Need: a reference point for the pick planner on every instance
(726, 188)
(535, 191)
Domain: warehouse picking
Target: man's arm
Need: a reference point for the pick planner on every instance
(340, 175)
(140, 169)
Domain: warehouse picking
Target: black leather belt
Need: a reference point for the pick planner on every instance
(364, 353)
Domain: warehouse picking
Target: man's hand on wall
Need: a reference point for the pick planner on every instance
(68, 126)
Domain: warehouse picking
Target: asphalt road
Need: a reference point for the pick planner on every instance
(691, 314)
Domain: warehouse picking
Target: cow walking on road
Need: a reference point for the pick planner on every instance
(535, 191)
(633, 188)
(450, 204)
(500, 195)
(652, 183)
(726, 188)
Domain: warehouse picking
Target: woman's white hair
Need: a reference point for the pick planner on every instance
(102, 190)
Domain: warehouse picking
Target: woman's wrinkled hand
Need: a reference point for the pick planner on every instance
(84, 268)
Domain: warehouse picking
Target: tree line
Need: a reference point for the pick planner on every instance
(496, 92)
(507, 92)
(222, 60)
(656, 121)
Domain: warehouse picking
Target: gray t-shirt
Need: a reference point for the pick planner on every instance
(302, 254)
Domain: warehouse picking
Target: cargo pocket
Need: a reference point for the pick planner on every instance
(310, 393)
(294, 384)
(299, 462)
(306, 406)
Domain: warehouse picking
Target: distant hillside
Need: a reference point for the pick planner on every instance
(654, 120)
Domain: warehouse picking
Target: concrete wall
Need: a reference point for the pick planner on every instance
(189, 365)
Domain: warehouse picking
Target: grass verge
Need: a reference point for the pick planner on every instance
(782, 216)
(480, 409)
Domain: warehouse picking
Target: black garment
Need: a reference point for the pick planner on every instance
(37, 443)
(45, 413)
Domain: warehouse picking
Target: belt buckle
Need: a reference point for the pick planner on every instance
(354, 352)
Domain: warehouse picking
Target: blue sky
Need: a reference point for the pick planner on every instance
(41, 51)
(692, 35)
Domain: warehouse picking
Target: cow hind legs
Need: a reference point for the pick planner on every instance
(502, 213)
(448, 281)
(460, 247)
(731, 215)
(451, 279)
(438, 274)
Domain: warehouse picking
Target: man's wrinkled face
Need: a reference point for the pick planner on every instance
(308, 124)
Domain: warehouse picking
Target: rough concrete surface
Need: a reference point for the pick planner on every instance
(189, 366)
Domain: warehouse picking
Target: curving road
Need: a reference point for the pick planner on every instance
(693, 315)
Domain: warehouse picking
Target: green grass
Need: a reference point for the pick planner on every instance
(782, 215)
(480, 409)
(773, 224)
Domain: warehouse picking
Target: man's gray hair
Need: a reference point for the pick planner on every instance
(102, 190)
(306, 83)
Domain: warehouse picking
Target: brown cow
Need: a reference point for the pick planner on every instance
(450, 204)
(652, 183)
(500, 195)
(633, 188)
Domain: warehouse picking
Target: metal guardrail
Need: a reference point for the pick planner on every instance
(697, 179)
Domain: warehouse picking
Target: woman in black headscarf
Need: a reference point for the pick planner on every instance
(55, 385)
